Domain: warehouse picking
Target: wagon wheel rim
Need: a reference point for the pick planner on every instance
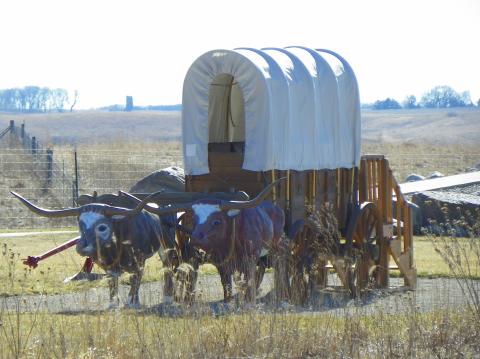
(363, 236)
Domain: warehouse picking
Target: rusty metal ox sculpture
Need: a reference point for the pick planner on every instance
(235, 234)
(118, 240)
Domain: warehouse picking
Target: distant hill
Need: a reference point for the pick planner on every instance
(453, 125)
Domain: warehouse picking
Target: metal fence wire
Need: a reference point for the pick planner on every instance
(54, 178)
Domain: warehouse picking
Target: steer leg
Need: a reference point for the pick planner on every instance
(113, 290)
(170, 261)
(168, 286)
(251, 279)
(133, 300)
(226, 279)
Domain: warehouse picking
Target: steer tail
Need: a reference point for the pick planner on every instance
(296, 227)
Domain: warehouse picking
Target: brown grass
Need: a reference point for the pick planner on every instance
(425, 158)
(252, 334)
(434, 126)
(97, 126)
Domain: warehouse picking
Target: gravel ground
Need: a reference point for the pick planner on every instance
(430, 295)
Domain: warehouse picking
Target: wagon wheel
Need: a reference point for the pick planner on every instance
(362, 249)
(308, 264)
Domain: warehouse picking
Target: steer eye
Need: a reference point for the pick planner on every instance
(102, 228)
(216, 222)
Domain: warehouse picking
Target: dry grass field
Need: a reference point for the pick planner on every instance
(433, 126)
(426, 158)
(98, 126)
(248, 334)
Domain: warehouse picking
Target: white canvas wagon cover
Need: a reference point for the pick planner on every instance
(294, 108)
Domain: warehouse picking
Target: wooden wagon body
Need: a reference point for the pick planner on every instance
(252, 116)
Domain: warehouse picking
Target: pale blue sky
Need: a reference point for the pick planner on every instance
(111, 48)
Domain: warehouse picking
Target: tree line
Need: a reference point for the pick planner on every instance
(438, 97)
(34, 99)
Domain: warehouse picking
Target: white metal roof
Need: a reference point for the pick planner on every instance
(298, 112)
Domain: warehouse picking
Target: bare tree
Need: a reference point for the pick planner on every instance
(74, 100)
(444, 97)
(59, 98)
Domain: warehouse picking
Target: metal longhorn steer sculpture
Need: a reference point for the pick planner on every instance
(235, 234)
(118, 240)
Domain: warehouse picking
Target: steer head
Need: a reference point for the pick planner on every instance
(211, 224)
(96, 230)
(95, 223)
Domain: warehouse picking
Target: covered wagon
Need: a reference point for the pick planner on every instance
(251, 116)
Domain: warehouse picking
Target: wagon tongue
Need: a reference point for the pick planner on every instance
(84, 273)
(32, 261)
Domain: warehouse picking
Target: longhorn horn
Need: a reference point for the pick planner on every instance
(53, 213)
(72, 212)
(227, 205)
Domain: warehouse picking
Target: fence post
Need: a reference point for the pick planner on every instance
(75, 182)
(12, 127)
(74, 202)
(22, 132)
(49, 166)
(34, 145)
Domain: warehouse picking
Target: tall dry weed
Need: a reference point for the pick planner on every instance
(462, 255)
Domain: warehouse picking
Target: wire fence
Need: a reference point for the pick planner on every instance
(54, 178)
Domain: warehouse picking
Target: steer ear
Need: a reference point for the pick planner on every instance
(233, 212)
